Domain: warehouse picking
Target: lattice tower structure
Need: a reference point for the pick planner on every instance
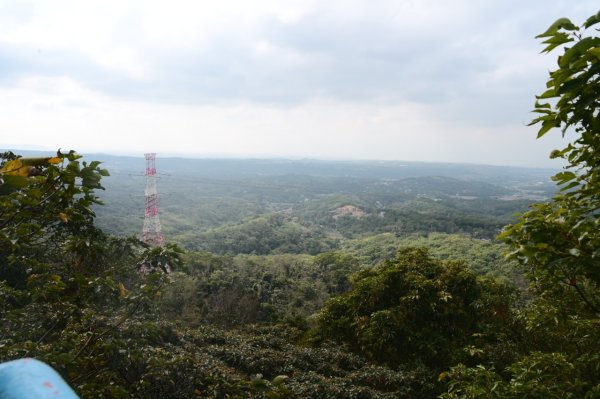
(152, 231)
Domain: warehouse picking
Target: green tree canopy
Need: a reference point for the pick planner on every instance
(69, 294)
(416, 309)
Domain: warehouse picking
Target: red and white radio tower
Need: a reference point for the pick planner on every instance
(152, 232)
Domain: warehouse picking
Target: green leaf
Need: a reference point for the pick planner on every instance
(555, 41)
(546, 126)
(570, 186)
(561, 23)
(564, 177)
(594, 19)
(15, 182)
(550, 93)
(542, 105)
(280, 379)
(595, 52)
(551, 117)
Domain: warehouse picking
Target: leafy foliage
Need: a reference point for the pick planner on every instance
(538, 375)
(264, 235)
(417, 309)
(67, 291)
(482, 256)
(229, 291)
(559, 241)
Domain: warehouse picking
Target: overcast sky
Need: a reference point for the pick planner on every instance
(427, 80)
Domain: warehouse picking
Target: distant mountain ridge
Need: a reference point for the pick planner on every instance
(225, 168)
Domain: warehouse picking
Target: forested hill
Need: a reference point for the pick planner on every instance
(232, 206)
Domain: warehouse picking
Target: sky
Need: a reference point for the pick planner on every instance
(410, 80)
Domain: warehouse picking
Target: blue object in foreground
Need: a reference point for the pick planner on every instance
(32, 379)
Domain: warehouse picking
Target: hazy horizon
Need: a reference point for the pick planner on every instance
(225, 157)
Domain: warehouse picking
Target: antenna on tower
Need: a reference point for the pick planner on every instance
(152, 232)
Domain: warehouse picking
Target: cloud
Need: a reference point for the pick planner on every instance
(436, 79)
(279, 52)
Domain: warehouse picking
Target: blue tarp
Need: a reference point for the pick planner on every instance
(32, 379)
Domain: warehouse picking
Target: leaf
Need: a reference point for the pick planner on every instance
(594, 19)
(64, 217)
(41, 161)
(561, 23)
(570, 186)
(546, 126)
(564, 177)
(280, 379)
(548, 117)
(122, 290)
(561, 153)
(555, 41)
(16, 167)
(15, 182)
(25, 167)
(550, 93)
(595, 52)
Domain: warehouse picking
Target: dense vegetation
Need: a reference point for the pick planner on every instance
(265, 207)
(345, 280)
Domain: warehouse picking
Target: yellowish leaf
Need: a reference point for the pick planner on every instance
(54, 160)
(16, 167)
(122, 290)
(64, 217)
